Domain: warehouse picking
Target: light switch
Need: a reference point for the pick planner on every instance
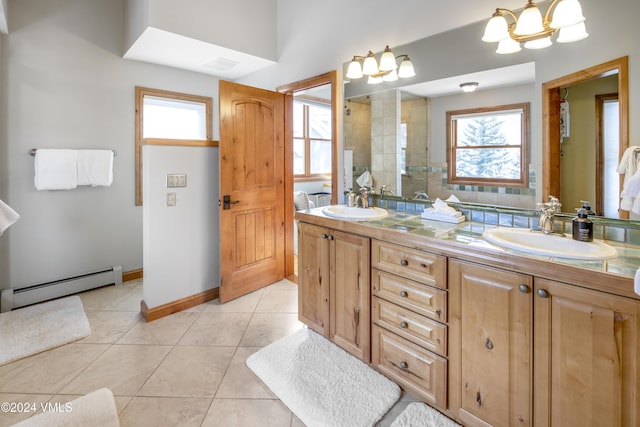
(175, 180)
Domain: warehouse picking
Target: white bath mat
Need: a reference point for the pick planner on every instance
(322, 384)
(97, 408)
(420, 415)
(30, 330)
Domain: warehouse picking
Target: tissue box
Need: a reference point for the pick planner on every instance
(435, 215)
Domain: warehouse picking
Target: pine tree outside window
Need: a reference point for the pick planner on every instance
(489, 146)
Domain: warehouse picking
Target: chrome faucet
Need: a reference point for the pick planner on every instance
(363, 199)
(384, 190)
(546, 214)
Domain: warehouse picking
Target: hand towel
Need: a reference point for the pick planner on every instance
(95, 167)
(365, 180)
(7, 216)
(443, 208)
(636, 282)
(55, 169)
(628, 166)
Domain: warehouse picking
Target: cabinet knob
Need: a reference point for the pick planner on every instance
(542, 293)
(404, 294)
(404, 365)
(404, 262)
(324, 236)
(404, 325)
(330, 237)
(524, 289)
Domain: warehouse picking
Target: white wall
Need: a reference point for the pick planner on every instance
(65, 85)
(181, 243)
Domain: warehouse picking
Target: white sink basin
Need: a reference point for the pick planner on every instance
(346, 212)
(553, 245)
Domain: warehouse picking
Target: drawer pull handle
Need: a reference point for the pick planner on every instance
(542, 293)
(404, 325)
(404, 262)
(404, 365)
(404, 294)
(524, 289)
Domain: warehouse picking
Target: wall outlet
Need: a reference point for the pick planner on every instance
(176, 180)
(171, 199)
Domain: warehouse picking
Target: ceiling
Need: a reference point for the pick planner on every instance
(427, 17)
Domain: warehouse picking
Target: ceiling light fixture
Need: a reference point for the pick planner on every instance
(468, 86)
(387, 71)
(532, 29)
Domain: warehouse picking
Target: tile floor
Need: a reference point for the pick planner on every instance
(187, 369)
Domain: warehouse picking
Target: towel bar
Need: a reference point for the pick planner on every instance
(32, 152)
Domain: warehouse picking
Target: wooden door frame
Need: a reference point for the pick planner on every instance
(551, 117)
(330, 77)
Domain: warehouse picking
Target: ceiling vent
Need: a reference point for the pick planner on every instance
(222, 64)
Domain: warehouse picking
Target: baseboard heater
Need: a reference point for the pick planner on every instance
(20, 297)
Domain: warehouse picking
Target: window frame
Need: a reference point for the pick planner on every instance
(523, 180)
(308, 176)
(141, 92)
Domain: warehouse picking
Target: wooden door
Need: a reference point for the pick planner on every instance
(313, 277)
(251, 189)
(350, 293)
(490, 345)
(587, 357)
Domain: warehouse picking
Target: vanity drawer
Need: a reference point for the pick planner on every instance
(423, 299)
(413, 264)
(417, 370)
(425, 332)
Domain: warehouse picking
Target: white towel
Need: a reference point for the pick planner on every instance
(636, 282)
(442, 208)
(365, 180)
(7, 216)
(628, 166)
(95, 167)
(55, 169)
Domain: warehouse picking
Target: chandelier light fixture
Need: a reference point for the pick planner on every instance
(534, 30)
(387, 71)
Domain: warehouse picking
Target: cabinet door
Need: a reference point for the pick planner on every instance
(350, 290)
(587, 352)
(313, 277)
(490, 345)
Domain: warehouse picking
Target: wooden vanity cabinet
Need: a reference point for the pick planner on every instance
(490, 335)
(587, 357)
(333, 286)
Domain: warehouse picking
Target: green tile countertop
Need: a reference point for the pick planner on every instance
(470, 233)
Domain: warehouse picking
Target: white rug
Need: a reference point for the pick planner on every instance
(420, 415)
(322, 384)
(97, 408)
(30, 330)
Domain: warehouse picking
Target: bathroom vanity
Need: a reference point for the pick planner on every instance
(490, 337)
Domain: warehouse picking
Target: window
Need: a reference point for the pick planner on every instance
(489, 146)
(311, 139)
(170, 118)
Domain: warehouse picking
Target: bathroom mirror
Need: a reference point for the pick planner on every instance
(560, 162)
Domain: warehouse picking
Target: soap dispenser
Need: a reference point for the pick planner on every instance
(582, 225)
(587, 207)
